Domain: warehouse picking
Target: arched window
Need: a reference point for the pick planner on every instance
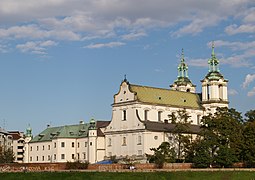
(159, 115)
(146, 111)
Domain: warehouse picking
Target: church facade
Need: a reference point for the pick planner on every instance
(140, 114)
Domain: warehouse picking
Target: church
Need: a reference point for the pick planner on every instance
(140, 120)
(140, 113)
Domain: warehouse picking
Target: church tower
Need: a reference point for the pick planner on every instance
(214, 86)
(183, 83)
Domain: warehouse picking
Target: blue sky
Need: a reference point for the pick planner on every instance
(62, 61)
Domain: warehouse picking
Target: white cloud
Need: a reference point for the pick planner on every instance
(232, 92)
(198, 62)
(103, 45)
(133, 36)
(236, 45)
(251, 92)
(3, 49)
(248, 80)
(38, 47)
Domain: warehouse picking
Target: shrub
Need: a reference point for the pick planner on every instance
(77, 165)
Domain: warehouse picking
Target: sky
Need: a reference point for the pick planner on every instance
(61, 61)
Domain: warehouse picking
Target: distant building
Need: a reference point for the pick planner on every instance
(18, 145)
(83, 141)
(5, 139)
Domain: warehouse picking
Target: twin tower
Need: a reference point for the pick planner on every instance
(214, 86)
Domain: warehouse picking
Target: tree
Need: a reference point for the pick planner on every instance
(250, 116)
(182, 124)
(163, 154)
(218, 140)
(249, 144)
(6, 155)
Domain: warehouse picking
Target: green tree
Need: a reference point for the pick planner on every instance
(249, 143)
(6, 155)
(163, 154)
(218, 139)
(181, 120)
(250, 116)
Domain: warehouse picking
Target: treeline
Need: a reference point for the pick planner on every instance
(225, 138)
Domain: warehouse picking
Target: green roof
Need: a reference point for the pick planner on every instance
(68, 131)
(166, 97)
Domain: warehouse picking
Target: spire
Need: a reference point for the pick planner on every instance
(213, 62)
(182, 68)
(29, 131)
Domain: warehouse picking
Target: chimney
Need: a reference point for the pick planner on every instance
(48, 125)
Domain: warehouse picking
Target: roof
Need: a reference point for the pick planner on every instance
(168, 127)
(67, 131)
(166, 97)
(15, 134)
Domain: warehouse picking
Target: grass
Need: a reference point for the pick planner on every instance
(178, 175)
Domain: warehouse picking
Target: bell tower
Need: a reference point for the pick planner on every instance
(214, 86)
(183, 83)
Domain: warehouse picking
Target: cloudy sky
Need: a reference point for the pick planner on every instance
(63, 60)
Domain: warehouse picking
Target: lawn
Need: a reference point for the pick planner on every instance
(178, 175)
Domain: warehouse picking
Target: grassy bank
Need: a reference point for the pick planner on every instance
(180, 175)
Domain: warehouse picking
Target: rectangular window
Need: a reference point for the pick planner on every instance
(140, 152)
(31, 158)
(31, 148)
(42, 158)
(72, 156)
(86, 144)
(159, 115)
(198, 119)
(84, 155)
(37, 158)
(48, 147)
(90, 143)
(139, 140)
(62, 156)
(42, 147)
(37, 148)
(48, 157)
(124, 141)
(124, 115)
(78, 145)
(109, 142)
(146, 114)
(62, 144)
(55, 156)
(72, 144)
(78, 156)
(55, 145)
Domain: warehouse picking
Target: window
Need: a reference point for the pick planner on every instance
(78, 145)
(198, 119)
(139, 140)
(140, 152)
(62, 144)
(37, 148)
(31, 148)
(124, 115)
(42, 147)
(86, 144)
(159, 115)
(55, 156)
(109, 154)
(84, 155)
(146, 114)
(48, 157)
(72, 156)
(78, 156)
(55, 145)
(72, 144)
(109, 142)
(90, 143)
(31, 158)
(48, 147)
(42, 158)
(37, 158)
(155, 137)
(124, 141)
(62, 156)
